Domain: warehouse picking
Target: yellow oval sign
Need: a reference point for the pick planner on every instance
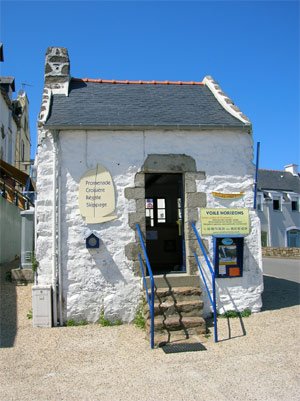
(97, 196)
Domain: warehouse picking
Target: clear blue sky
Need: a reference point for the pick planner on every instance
(250, 48)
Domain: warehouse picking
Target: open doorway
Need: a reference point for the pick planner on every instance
(164, 222)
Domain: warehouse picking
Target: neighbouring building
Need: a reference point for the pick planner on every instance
(8, 121)
(113, 154)
(16, 239)
(278, 200)
(22, 155)
(14, 124)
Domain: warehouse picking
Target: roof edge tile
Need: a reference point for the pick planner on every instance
(224, 100)
(140, 82)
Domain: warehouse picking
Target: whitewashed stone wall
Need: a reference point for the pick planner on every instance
(104, 279)
(241, 292)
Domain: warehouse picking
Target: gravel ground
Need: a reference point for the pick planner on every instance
(256, 359)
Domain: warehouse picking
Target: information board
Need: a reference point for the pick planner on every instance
(224, 221)
(97, 196)
(228, 256)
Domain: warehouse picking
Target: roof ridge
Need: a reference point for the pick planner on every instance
(141, 82)
(276, 171)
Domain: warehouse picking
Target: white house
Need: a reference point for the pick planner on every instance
(8, 121)
(14, 124)
(279, 207)
(113, 154)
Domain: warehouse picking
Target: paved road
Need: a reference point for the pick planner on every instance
(288, 269)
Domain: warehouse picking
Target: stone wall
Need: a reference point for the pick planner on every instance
(293, 253)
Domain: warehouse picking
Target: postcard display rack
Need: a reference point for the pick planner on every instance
(228, 255)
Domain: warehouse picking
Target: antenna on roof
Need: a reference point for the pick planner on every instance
(25, 84)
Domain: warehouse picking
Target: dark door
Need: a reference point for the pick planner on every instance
(164, 222)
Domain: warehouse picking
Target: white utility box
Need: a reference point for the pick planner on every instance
(41, 306)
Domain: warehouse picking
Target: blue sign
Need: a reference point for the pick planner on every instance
(227, 241)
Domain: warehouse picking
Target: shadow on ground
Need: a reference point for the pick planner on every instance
(279, 293)
(8, 306)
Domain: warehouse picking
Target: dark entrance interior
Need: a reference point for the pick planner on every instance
(164, 222)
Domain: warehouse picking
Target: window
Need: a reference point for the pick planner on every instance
(9, 150)
(22, 150)
(264, 239)
(293, 238)
(155, 211)
(150, 212)
(161, 210)
(179, 216)
(260, 202)
(295, 205)
(276, 204)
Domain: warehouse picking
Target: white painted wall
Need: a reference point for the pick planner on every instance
(96, 279)
(10, 231)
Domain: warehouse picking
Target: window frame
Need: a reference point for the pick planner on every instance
(260, 202)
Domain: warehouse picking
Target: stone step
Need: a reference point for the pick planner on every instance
(177, 294)
(175, 280)
(188, 324)
(181, 308)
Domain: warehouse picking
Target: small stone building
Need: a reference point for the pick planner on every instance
(113, 154)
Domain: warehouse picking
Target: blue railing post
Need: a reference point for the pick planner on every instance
(150, 299)
(256, 175)
(152, 315)
(215, 307)
(212, 299)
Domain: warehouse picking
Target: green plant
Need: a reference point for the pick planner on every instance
(34, 263)
(234, 314)
(246, 312)
(103, 321)
(29, 314)
(139, 319)
(72, 323)
(117, 322)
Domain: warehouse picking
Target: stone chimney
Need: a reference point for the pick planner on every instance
(291, 168)
(57, 70)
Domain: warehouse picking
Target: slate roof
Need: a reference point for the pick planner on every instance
(92, 104)
(278, 181)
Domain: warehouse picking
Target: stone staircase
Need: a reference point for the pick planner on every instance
(178, 315)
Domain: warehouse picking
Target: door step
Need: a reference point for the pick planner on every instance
(178, 315)
(187, 324)
(181, 308)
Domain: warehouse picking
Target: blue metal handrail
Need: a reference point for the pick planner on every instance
(212, 298)
(150, 298)
(256, 175)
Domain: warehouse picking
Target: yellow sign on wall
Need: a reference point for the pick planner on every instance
(224, 221)
(97, 196)
(223, 195)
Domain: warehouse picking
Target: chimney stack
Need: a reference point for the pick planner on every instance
(291, 168)
(57, 70)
